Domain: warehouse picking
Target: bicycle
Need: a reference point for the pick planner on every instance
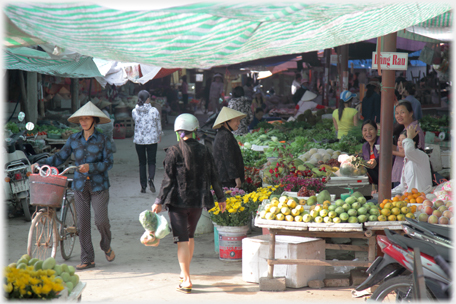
(49, 192)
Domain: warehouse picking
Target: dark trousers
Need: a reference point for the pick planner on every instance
(146, 154)
(99, 201)
(185, 99)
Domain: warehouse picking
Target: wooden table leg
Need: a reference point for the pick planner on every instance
(371, 254)
(272, 234)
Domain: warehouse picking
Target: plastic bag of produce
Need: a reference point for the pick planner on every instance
(148, 220)
(162, 227)
(155, 223)
(148, 239)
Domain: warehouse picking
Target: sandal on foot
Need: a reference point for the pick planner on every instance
(180, 288)
(110, 255)
(181, 279)
(83, 266)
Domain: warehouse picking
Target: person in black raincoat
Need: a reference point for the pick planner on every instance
(227, 154)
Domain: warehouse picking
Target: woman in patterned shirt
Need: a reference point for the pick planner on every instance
(147, 136)
(240, 103)
(93, 156)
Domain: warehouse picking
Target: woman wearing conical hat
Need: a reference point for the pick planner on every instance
(93, 156)
(227, 154)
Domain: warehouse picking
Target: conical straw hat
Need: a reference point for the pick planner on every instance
(89, 109)
(308, 95)
(225, 115)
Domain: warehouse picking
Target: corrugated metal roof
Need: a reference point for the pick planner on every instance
(211, 34)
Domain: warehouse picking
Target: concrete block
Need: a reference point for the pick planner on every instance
(274, 284)
(337, 281)
(316, 284)
(357, 276)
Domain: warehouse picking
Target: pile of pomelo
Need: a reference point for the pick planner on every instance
(353, 210)
(63, 273)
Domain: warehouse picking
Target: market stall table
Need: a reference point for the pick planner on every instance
(325, 230)
(339, 184)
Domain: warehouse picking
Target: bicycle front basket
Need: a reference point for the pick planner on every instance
(47, 190)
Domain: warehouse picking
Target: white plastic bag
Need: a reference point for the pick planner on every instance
(162, 227)
(148, 238)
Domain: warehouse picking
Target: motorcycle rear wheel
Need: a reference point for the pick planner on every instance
(42, 238)
(25, 203)
(398, 289)
(68, 231)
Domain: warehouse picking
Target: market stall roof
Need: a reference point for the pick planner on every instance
(74, 65)
(212, 34)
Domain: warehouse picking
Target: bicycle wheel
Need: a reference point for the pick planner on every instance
(69, 230)
(398, 289)
(42, 237)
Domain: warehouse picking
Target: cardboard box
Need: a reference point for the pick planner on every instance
(255, 253)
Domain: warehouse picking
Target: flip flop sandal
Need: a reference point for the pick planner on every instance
(83, 266)
(110, 255)
(180, 288)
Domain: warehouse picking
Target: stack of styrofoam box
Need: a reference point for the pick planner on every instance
(255, 253)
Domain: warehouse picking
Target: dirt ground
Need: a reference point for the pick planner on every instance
(142, 273)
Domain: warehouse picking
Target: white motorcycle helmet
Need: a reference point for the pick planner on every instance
(186, 122)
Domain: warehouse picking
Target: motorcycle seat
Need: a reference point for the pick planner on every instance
(442, 231)
(425, 247)
(34, 158)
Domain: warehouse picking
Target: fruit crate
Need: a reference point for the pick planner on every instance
(54, 136)
(74, 296)
(129, 124)
(262, 223)
(335, 227)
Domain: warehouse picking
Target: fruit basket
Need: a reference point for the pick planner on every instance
(54, 136)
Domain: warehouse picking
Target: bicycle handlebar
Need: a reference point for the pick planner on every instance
(51, 170)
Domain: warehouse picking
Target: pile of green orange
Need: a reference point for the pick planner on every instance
(395, 210)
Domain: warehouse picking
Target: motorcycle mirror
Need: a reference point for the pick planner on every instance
(30, 126)
(21, 116)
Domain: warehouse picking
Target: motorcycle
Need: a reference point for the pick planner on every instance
(395, 270)
(17, 172)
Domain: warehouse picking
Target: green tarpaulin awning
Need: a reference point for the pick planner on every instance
(211, 34)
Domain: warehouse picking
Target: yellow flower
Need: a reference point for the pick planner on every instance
(231, 210)
(242, 209)
(216, 212)
(47, 288)
(238, 196)
(8, 287)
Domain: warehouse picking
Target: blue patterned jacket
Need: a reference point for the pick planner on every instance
(96, 152)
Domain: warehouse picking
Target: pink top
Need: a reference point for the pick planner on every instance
(396, 172)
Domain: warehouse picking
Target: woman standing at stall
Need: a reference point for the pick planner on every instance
(345, 117)
(370, 152)
(93, 156)
(417, 169)
(405, 119)
(216, 92)
(227, 154)
(240, 103)
(189, 172)
(147, 136)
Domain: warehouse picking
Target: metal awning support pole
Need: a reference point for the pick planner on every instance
(386, 123)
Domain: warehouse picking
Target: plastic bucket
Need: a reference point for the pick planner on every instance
(47, 190)
(230, 242)
(216, 238)
(119, 132)
(204, 223)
